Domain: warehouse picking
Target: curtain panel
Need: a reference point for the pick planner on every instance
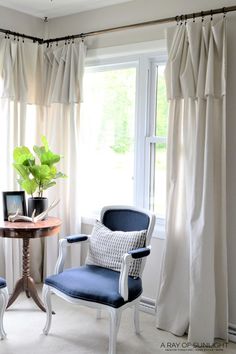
(40, 90)
(35, 74)
(193, 294)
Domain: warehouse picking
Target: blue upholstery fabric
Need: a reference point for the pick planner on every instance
(125, 220)
(76, 238)
(140, 252)
(3, 283)
(96, 284)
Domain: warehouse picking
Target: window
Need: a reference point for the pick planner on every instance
(107, 136)
(158, 140)
(124, 135)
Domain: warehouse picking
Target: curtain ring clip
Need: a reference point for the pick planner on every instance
(202, 14)
(186, 18)
(224, 12)
(193, 17)
(211, 15)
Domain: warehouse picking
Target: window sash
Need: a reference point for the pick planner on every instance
(145, 120)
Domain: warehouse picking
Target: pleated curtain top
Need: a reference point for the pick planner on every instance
(195, 68)
(35, 74)
(64, 71)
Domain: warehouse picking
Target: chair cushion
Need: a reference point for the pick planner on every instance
(94, 284)
(3, 283)
(107, 247)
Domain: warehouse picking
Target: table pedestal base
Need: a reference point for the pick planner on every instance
(26, 283)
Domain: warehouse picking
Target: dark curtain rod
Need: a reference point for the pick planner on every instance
(180, 18)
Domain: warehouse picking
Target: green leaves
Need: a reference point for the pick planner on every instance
(29, 185)
(22, 170)
(45, 143)
(36, 176)
(23, 156)
(46, 156)
(40, 172)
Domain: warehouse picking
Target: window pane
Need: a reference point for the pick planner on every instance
(160, 181)
(158, 148)
(161, 103)
(107, 136)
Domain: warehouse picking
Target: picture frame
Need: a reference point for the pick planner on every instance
(13, 201)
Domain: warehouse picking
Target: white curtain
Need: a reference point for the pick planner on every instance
(41, 89)
(14, 118)
(63, 76)
(193, 290)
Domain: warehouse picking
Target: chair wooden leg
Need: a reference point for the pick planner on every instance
(3, 305)
(115, 316)
(48, 307)
(136, 318)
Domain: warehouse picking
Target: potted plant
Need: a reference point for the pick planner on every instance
(37, 173)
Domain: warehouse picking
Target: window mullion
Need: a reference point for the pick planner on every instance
(141, 128)
(150, 138)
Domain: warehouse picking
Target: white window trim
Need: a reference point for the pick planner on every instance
(143, 55)
(157, 47)
(159, 230)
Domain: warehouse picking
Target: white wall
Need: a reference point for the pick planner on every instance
(138, 11)
(19, 22)
(127, 13)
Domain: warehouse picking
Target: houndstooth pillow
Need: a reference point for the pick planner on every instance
(107, 247)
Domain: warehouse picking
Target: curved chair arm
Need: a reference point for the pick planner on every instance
(77, 238)
(123, 280)
(63, 244)
(140, 252)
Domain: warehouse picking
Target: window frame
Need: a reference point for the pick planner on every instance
(145, 112)
(152, 139)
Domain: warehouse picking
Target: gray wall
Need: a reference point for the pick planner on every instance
(19, 22)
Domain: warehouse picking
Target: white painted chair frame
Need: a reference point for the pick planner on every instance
(115, 313)
(3, 305)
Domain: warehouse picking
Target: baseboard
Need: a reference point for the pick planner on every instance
(148, 305)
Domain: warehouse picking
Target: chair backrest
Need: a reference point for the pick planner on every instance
(129, 218)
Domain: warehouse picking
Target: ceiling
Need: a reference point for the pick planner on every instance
(57, 8)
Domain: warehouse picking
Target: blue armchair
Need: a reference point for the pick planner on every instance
(3, 305)
(115, 285)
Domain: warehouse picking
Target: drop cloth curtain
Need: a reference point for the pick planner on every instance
(41, 89)
(193, 288)
(20, 65)
(63, 76)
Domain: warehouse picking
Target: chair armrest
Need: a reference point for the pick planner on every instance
(140, 252)
(77, 238)
(63, 244)
(124, 273)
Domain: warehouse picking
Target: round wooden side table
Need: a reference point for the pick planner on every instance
(26, 231)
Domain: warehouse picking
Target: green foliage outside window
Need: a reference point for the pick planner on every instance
(118, 108)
